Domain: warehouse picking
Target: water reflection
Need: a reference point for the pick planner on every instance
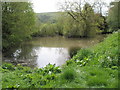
(46, 55)
(54, 50)
(73, 51)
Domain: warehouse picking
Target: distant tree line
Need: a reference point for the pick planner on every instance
(81, 20)
(75, 21)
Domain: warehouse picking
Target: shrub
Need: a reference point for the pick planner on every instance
(81, 58)
(8, 66)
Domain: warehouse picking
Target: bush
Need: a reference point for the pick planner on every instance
(8, 66)
(81, 58)
(84, 53)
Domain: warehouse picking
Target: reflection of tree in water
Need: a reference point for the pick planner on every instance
(73, 51)
(20, 55)
(63, 55)
(60, 50)
(10, 52)
(26, 49)
(27, 54)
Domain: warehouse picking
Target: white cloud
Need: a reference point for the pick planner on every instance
(44, 5)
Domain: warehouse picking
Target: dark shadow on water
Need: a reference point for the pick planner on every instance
(73, 51)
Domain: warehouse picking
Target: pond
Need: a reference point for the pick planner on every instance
(41, 51)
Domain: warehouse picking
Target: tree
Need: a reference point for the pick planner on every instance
(82, 14)
(18, 23)
(114, 16)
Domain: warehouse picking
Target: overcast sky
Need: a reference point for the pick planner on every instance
(41, 6)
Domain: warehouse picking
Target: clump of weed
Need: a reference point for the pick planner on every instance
(69, 74)
(8, 66)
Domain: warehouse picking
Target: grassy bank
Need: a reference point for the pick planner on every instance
(96, 67)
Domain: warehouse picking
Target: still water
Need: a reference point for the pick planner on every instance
(41, 51)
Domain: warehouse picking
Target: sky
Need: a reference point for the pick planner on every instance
(41, 6)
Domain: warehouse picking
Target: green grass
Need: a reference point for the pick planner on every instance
(105, 54)
(25, 77)
(90, 77)
(68, 74)
(95, 67)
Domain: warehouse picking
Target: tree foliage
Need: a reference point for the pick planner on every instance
(86, 20)
(18, 22)
(50, 24)
(114, 16)
(78, 19)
